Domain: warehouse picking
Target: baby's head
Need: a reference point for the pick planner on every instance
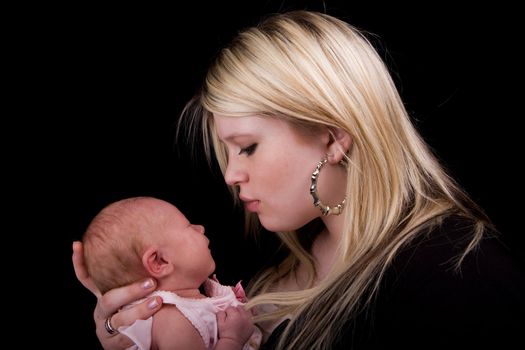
(143, 237)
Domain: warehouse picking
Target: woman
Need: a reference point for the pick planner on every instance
(299, 110)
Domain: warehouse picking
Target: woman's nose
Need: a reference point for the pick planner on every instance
(234, 175)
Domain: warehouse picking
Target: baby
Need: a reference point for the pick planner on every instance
(144, 237)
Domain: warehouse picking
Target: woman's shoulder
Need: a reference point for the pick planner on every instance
(427, 289)
(440, 248)
(437, 256)
(427, 300)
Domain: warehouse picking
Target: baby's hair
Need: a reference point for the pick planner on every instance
(114, 242)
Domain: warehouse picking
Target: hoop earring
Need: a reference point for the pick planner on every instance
(325, 209)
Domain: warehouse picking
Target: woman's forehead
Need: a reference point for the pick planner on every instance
(228, 127)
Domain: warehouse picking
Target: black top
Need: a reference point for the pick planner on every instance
(423, 303)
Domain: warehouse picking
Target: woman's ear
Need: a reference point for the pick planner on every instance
(155, 263)
(339, 145)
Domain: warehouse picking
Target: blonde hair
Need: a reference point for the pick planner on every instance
(314, 70)
(115, 241)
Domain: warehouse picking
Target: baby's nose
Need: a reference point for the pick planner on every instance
(199, 228)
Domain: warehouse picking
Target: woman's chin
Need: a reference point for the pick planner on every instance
(277, 226)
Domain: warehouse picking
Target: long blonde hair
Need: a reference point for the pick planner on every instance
(314, 70)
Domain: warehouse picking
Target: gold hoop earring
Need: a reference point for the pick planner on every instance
(325, 209)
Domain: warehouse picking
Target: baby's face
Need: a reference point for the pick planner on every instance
(188, 246)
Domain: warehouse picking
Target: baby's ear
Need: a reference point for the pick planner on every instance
(155, 264)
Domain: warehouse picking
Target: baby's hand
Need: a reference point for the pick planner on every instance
(235, 326)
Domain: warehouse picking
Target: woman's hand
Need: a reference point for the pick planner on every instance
(109, 304)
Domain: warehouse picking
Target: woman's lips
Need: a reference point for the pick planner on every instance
(252, 206)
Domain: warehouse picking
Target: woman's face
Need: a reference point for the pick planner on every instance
(272, 162)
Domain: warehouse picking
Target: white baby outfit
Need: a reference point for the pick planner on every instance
(202, 313)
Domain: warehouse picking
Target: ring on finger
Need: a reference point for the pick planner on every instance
(109, 328)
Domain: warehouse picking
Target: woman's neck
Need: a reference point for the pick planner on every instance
(324, 250)
(326, 244)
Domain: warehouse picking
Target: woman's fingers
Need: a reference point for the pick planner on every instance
(115, 341)
(114, 299)
(110, 304)
(81, 270)
(141, 311)
(124, 318)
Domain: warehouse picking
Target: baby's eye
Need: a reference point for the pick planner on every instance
(248, 150)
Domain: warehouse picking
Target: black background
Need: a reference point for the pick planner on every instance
(104, 87)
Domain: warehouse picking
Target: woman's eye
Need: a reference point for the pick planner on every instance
(248, 150)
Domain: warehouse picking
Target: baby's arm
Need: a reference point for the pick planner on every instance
(171, 330)
(235, 328)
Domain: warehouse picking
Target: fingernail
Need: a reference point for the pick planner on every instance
(153, 304)
(147, 284)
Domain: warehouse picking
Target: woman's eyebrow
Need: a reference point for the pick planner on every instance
(236, 135)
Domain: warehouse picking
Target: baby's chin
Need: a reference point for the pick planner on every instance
(212, 268)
